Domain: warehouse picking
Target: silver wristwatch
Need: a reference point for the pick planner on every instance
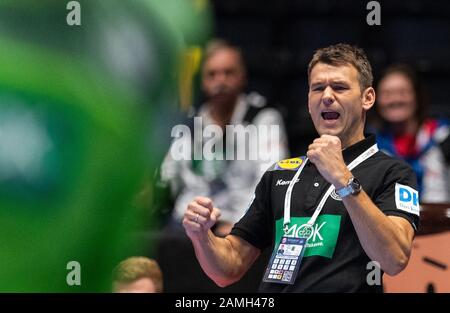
(353, 187)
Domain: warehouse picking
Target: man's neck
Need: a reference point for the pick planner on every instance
(351, 141)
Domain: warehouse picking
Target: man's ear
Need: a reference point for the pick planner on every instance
(368, 98)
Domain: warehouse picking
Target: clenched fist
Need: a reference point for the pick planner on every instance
(326, 154)
(199, 217)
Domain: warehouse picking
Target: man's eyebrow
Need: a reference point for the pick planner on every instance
(340, 81)
(337, 81)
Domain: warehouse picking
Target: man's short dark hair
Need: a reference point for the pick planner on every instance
(344, 54)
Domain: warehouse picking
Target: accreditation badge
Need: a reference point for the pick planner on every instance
(285, 261)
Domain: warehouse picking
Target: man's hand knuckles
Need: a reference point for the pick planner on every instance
(198, 199)
(191, 205)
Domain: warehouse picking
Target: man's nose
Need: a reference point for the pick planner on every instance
(328, 97)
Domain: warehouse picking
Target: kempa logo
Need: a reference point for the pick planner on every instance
(281, 182)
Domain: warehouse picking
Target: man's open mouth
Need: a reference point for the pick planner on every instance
(330, 115)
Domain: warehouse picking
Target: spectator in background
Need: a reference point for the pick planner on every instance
(230, 183)
(138, 275)
(405, 131)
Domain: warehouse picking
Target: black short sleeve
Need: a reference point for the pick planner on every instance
(398, 194)
(256, 226)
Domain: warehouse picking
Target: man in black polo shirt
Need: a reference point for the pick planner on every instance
(348, 202)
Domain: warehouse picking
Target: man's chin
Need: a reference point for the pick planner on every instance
(330, 132)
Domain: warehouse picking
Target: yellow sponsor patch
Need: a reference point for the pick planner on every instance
(290, 164)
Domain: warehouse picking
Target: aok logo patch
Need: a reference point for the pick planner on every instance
(321, 240)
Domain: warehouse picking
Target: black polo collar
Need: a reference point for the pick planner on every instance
(356, 149)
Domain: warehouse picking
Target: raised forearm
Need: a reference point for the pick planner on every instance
(224, 260)
(382, 239)
(216, 257)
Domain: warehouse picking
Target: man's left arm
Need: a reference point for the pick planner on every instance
(385, 239)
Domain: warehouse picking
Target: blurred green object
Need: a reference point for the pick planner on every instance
(84, 111)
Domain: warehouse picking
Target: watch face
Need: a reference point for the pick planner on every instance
(356, 184)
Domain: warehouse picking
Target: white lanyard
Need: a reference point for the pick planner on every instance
(287, 200)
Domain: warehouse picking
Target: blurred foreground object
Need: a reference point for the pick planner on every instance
(81, 113)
